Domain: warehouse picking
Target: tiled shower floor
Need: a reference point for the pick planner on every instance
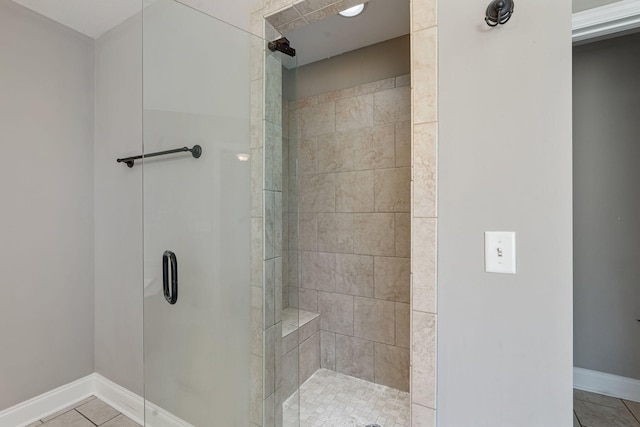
(90, 412)
(331, 399)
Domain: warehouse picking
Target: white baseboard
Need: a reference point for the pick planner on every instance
(607, 384)
(121, 399)
(52, 401)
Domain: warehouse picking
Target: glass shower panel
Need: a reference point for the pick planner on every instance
(197, 75)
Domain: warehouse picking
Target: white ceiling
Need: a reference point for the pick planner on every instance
(90, 17)
(381, 20)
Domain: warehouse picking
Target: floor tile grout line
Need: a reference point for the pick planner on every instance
(630, 411)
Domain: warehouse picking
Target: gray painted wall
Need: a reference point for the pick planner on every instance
(369, 64)
(46, 182)
(580, 5)
(118, 206)
(505, 341)
(607, 206)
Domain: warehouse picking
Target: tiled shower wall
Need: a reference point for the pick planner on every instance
(350, 260)
(289, 14)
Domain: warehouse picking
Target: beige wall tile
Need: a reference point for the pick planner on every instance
(293, 237)
(257, 238)
(392, 190)
(309, 357)
(269, 411)
(307, 153)
(392, 105)
(273, 157)
(403, 234)
(272, 344)
(403, 329)
(328, 350)
(403, 144)
(285, 225)
(273, 90)
(374, 234)
(422, 417)
(272, 6)
(308, 329)
(354, 356)
(294, 296)
(284, 16)
(304, 102)
(290, 372)
(423, 386)
(257, 113)
(257, 180)
(308, 231)
(269, 293)
(424, 14)
(374, 148)
(424, 272)
(277, 233)
(425, 75)
(294, 269)
(374, 320)
(290, 341)
(337, 94)
(335, 152)
(318, 193)
(308, 299)
(317, 120)
(294, 191)
(354, 275)
(256, 321)
(269, 224)
(336, 312)
(257, 48)
(375, 86)
(404, 80)
(354, 113)
(392, 366)
(278, 289)
(255, 391)
(317, 271)
(335, 232)
(354, 191)
(391, 279)
(309, 6)
(425, 170)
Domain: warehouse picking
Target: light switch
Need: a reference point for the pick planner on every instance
(500, 252)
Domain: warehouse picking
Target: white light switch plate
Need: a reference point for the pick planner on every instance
(500, 252)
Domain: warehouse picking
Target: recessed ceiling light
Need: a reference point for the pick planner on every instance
(242, 157)
(353, 11)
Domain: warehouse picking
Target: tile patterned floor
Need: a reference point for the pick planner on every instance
(90, 412)
(331, 399)
(596, 410)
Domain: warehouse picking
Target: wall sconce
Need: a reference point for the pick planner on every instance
(499, 12)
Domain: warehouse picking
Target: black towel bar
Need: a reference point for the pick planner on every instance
(196, 152)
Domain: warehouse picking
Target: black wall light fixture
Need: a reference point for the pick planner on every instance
(499, 12)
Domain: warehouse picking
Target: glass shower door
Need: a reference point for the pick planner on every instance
(196, 219)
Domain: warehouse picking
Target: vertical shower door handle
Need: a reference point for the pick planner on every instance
(170, 289)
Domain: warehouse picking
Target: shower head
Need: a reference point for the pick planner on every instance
(282, 45)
